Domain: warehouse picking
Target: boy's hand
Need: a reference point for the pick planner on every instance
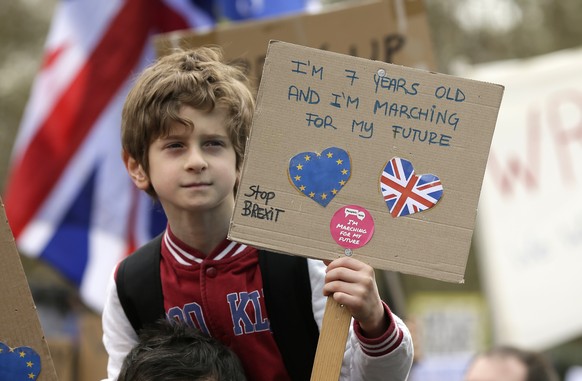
(353, 284)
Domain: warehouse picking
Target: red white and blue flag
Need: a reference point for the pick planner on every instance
(69, 200)
(406, 193)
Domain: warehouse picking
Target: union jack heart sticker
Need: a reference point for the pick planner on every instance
(320, 176)
(406, 193)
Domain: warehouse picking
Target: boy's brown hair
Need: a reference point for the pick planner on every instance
(198, 78)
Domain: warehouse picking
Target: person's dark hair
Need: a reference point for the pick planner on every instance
(539, 368)
(171, 351)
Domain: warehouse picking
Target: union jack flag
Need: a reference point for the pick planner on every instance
(69, 200)
(406, 193)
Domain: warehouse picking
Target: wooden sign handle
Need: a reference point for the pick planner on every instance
(332, 342)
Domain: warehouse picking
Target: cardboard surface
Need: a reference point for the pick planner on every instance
(365, 113)
(19, 323)
(388, 31)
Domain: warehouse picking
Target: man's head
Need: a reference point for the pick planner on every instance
(197, 78)
(510, 364)
(170, 351)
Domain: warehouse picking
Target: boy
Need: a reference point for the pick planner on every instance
(172, 351)
(184, 128)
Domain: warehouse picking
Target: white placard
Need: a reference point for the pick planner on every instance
(530, 211)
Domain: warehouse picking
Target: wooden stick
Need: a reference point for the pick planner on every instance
(332, 342)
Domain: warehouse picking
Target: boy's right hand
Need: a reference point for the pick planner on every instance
(353, 283)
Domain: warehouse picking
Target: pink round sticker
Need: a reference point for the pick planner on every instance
(352, 226)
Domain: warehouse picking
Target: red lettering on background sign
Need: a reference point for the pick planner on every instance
(507, 172)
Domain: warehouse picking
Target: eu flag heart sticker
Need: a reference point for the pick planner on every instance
(406, 193)
(320, 176)
(16, 364)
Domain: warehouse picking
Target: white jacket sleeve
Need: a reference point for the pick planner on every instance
(357, 365)
(119, 337)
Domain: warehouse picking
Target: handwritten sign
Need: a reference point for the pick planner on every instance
(395, 151)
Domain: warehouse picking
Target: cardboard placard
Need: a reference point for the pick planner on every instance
(24, 352)
(390, 31)
(326, 128)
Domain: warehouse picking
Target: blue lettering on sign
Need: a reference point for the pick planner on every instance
(347, 100)
(432, 115)
(365, 128)
(302, 67)
(352, 76)
(446, 93)
(319, 121)
(395, 99)
(395, 85)
(423, 136)
(309, 96)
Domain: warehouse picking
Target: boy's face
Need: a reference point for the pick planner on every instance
(193, 170)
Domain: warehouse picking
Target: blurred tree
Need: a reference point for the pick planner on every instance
(477, 31)
(23, 29)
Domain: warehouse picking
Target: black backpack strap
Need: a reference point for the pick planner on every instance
(139, 285)
(287, 290)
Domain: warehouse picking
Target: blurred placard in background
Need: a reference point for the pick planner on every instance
(530, 211)
(448, 329)
(393, 31)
